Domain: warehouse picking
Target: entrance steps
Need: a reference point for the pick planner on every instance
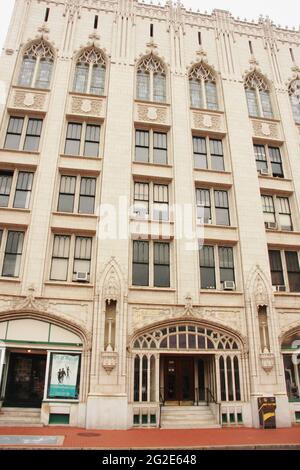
(188, 417)
(20, 417)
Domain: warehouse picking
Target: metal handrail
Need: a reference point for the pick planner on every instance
(161, 403)
(211, 398)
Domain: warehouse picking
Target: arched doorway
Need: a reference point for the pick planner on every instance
(186, 363)
(40, 360)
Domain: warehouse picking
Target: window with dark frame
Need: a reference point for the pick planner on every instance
(160, 148)
(226, 264)
(6, 178)
(141, 199)
(87, 195)
(92, 141)
(140, 264)
(14, 133)
(293, 271)
(200, 152)
(13, 254)
(276, 268)
(82, 255)
(33, 135)
(161, 264)
(160, 202)
(66, 194)
(142, 146)
(60, 258)
(23, 190)
(222, 207)
(203, 205)
(73, 139)
(207, 267)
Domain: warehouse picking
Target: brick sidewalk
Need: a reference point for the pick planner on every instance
(77, 438)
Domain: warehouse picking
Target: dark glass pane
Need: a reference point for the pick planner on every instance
(86, 205)
(72, 147)
(222, 217)
(140, 274)
(91, 149)
(208, 279)
(161, 276)
(66, 203)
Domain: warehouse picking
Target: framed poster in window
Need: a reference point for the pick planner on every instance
(64, 376)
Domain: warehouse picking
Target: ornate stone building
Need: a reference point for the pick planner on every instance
(184, 309)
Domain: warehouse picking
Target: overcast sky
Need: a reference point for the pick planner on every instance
(284, 13)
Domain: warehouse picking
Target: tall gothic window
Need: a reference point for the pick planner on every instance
(203, 88)
(294, 92)
(37, 65)
(90, 72)
(151, 80)
(258, 96)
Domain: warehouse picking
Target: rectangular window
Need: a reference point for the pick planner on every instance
(13, 254)
(23, 190)
(268, 209)
(207, 267)
(203, 205)
(226, 264)
(211, 95)
(161, 265)
(160, 150)
(266, 104)
(60, 258)
(222, 208)
(92, 141)
(293, 271)
(6, 178)
(284, 213)
(141, 199)
(260, 157)
(67, 194)
(143, 86)
(83, 255)
(33, 135)
(142, 146)
(87, 196)
(252, 103)
(140, 265)
(196, 94)
(160, 202)
(200, 152)
(73, 139)
(216, 153)
(276, 268)
(276, 162)
(14, 133)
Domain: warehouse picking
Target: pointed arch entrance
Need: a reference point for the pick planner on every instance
(187, 362)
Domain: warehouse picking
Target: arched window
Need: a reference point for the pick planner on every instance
(90, 72)
(151, 80)
(294, 92)
(203, 88)
(258, 95)
(37, 65)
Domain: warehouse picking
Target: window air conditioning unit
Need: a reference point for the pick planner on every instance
(82, 277)
(229, 285)
(209, 221)
(279, 288)
(264, 172)
(271, 225)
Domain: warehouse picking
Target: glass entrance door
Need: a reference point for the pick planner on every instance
(179, 380)
(25, 380)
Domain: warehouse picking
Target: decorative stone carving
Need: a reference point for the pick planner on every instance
(260, 292)
(207, 121)
(152, 114)
(91, 107)
(109, 361)
(143, 317)
(267, 361)
(188, 309)
(30, 303)
(265, 129)
(111, 289)
(22, 99)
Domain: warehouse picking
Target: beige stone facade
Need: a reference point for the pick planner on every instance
(127, 69)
